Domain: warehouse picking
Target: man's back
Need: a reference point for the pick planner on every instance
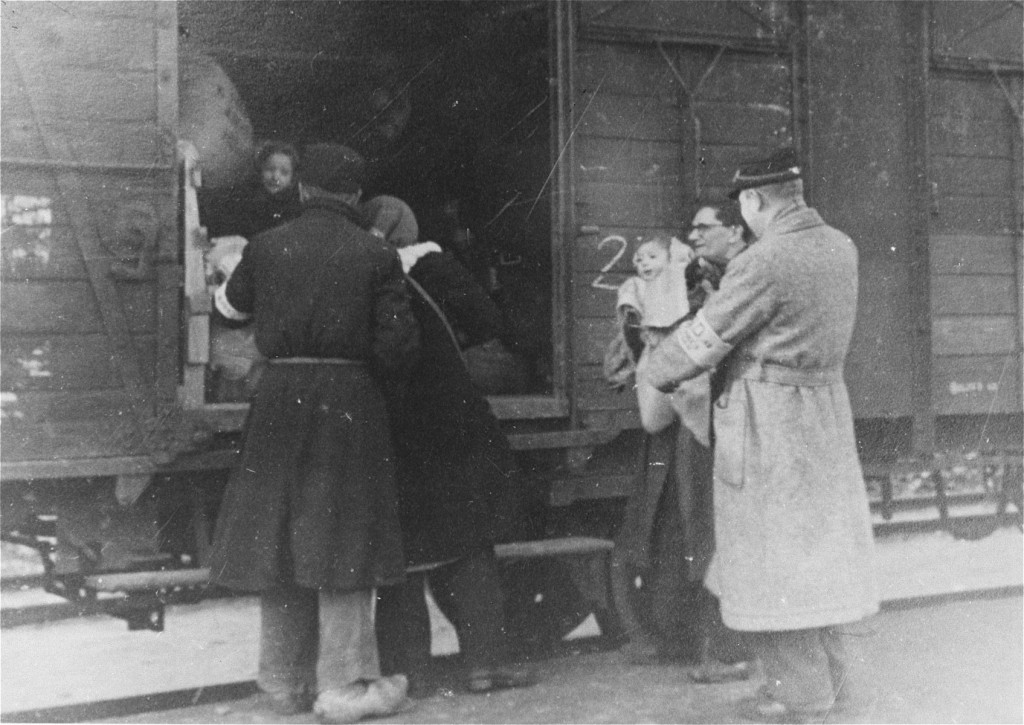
(791, 298)
(321, 287)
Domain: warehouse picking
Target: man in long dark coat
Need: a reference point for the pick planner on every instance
(793, 557)
(309, 518)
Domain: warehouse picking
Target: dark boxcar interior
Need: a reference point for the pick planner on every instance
(447, 101)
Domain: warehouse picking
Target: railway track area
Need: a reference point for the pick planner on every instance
(949, 636)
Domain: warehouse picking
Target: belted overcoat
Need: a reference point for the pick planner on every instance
(312, 501)
(792, 526)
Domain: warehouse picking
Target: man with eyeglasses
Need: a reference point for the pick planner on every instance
(717, 234)
(794, 546)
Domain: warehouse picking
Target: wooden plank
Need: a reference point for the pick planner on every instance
(48, 307)
(591, 336)
(68, 362)
(513, 407)
(591, 301)
(94, 95)
(75, 198)
(611, 249)
(630, 205)
(36, 407)
(972, 253)
(627, 161)
(560, 439)
(107, 10)
(624, 70)
(136, 145)
(756, 80)
(979, 215)
(19, 135)
(140, 305)
(977, 384)
(588, 488)
(168, 330)
(62, 440)
(626, 419)
(198, 339)
(148, 580)
(971, 176)
(741, 123)
(974, 335)
(166, 59)
(566, 546)
(71, 468)
(593, 393)
(698, 17)
(80, 39)
(969, 117)
(630, 117)
(997, 34)
(38, 252)
(137, 142)
(974, 295)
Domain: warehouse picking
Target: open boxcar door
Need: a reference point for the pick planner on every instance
(90, 259)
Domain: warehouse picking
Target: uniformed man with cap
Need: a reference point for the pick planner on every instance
(793, 560)
(309, 518)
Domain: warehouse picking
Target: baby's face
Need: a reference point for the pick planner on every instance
(277, 173)
(650, 259)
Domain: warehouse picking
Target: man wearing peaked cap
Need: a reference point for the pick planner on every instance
(783, 165)
(794, 547)
(333, 168)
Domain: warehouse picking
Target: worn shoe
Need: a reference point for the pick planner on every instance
(287, 702)
(377, 698)
(764, 710)
(498, 678)
(713, 672)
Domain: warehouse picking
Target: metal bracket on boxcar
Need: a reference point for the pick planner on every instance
(137, 597)
(967, 494)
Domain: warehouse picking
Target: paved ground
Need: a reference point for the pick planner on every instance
(959, 661)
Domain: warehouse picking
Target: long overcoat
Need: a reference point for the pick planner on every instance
(460, 486)
(792, 526)
(312, 501)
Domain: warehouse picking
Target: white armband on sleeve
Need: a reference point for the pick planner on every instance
(220, 299)
(701, 343)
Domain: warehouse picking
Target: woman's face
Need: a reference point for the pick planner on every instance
(277, 173)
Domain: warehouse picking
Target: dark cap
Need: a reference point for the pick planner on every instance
(333, 167)
(783, 165)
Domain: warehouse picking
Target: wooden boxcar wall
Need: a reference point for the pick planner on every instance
(668, 98)
(922, 168)
(908, 116)
(90, 273)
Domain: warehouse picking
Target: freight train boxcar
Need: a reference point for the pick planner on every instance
(541, 140)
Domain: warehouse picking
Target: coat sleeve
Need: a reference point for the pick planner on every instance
(235, 299)
(466, 304)
(396, 334)
(744, 303)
